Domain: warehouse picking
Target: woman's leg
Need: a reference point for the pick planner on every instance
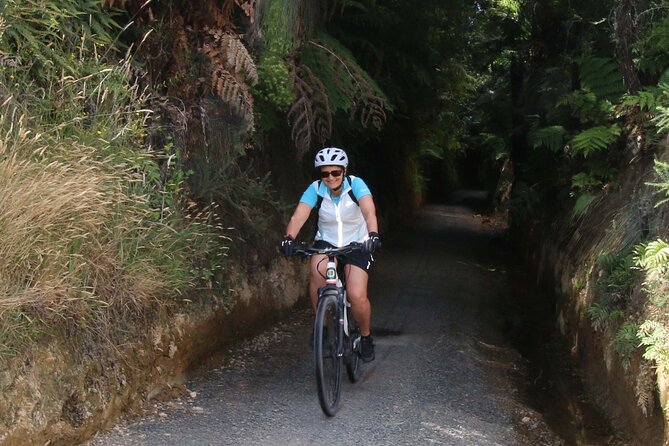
(318, 265)
(356, 290)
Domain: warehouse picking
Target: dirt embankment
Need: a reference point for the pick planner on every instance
(563, 255)
(62, 393)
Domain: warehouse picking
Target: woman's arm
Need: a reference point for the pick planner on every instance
(298, 219)
(369, 213)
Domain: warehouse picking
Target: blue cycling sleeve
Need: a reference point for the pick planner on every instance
(359, 188)
(310, 196)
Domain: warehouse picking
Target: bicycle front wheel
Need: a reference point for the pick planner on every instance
(327, 361)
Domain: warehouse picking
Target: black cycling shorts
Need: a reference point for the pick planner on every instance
(360, 259)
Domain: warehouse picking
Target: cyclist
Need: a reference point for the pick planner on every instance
(346, 213)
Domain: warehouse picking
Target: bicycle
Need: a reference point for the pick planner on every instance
(336, 338)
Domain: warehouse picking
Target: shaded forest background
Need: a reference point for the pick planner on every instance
(149, 145)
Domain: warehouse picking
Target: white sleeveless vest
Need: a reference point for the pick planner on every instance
(340, 223)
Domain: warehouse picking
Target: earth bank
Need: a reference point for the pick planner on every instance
(62, 393)
(561, 253)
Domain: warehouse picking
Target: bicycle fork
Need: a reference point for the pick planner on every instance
(332, 279)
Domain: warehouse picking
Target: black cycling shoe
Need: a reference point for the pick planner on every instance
(367, 348)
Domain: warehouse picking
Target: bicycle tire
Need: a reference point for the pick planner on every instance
(353, 361)
(327, 362)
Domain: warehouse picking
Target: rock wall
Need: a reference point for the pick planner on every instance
(55, 394)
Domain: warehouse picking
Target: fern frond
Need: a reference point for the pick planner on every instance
(348, 86)
(219, 16)
(661, 169)
(227, 49)
(653, 256)
(594, 139)
(310, 115)
(582, 204)
(645, 100)
(584, 181)
(655, 337)
(233, 93)
(552, 138)
(645, 388)
(373, 112)
(661, 119)
(246, 6)
(603, 316)
(600, 75)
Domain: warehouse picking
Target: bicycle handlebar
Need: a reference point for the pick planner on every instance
(330, 252)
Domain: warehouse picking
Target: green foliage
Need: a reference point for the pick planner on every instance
(600, 75)
(552, 138)
(662, 184)
(49, 38)
(495, 144)
(653, 256)
(584, 181)
(586, 106)
(652, 47)
(661, 110)
(348, 86)
(655, 337)
(94, 221)
(618, 275)
(583, 202)
(275, 76)
(524, 200)
(17, 331)
(594, 139)
(275, 81)
(627, 341)
(603, 316)
(645, 100)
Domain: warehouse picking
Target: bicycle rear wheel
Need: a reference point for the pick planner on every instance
(353, 361)
(327, 362)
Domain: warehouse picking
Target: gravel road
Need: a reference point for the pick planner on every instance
(443, 373)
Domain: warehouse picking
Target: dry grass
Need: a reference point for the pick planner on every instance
(80, 235)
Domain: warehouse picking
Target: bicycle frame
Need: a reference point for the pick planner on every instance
(333, 282)
(332, 299)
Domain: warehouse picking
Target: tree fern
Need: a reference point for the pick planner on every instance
(594, 139)
(348, 86)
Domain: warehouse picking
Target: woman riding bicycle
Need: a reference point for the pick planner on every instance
(346, 214)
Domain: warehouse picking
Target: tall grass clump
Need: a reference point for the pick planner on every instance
(95, 224)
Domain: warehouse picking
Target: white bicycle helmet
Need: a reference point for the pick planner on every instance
(331, 156)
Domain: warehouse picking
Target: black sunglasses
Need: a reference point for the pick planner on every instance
(334, 173)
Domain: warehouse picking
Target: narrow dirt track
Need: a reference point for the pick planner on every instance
(442, 373)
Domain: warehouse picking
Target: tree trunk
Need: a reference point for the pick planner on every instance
(624, 33)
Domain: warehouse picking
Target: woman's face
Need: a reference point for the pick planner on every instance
(332, 176)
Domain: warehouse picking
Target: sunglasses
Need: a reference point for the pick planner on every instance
(334, 173)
